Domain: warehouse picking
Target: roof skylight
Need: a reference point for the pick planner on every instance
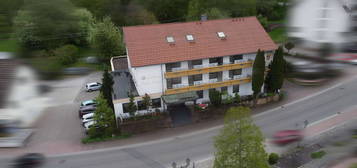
(221, 35)
(170, 39)
(190, 37)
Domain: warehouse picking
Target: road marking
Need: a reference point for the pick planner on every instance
(200, 131)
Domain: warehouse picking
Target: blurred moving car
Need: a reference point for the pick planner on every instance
(29, 160)
(287, 136)
(93, 86)
(76, 71)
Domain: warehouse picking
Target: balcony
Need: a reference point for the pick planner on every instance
(219, 68)
(209, 85)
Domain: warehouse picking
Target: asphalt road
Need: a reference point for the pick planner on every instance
(198, 146)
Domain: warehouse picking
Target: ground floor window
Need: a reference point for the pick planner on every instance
(200, 94)
(156, 103)
(125, 107)
(141, 105)
(235, 88)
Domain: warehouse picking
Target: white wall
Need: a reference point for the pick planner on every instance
(306, 16)
(148, 79)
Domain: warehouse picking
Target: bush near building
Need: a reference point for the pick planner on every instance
(215, 97)
(273, 158)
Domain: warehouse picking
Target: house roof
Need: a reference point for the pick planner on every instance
(7, 72)
(148, 44)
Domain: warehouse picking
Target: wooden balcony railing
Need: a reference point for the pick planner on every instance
(206, 86)
(219, 68)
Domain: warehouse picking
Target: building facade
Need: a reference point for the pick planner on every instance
(182, 62)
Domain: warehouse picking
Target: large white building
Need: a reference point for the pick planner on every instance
(179, 62)
(316, 22)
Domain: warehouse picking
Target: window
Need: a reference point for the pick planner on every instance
(196, 62)
(141, 105)
(156, 103)
(221, 35)
(190, 37)
(235, 72)
(173, 81)
(218, 60)
(200, 94)
(169, 66)
(170, 39)
(224, 89)
(125, 107)
(235, 57)
(193, 78)
(235, 88)
(213, 75)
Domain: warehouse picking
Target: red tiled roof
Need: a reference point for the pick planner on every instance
(147, 45)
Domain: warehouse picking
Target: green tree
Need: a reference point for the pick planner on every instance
(8, 10)
(167, 10)
(236, 98)
(67, 54)
(146, 101)
(85, 23)
(289, 46)
(104, 119)
(215, 13)
(276, 78)
(107, 88)
(258, 73)
(46, 24)
(240, 142)
(215, 97)
(132, 108)
(107, 39)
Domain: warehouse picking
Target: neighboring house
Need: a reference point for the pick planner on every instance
(20, 99)
(177, 63)
(315, 22)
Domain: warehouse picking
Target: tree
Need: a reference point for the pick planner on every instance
(146, 101)
(215, 13)
(46, 24)
(104, 119)
(289, 46)
(277, 70)
(167, 10)
(258, 73)
(107, 88)
(132, 108)
(85, 23)
(215, 97)
(263, 21)
(107, 39)
(240, 142)
(67, 54)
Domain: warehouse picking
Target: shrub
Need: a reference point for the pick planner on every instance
(237, 98)
(215, 97)
(67, 54)
(273, 158)
(318, 155)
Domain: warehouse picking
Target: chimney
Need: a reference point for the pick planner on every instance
(203, 17)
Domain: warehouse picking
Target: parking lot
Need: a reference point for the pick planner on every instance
(59, 129)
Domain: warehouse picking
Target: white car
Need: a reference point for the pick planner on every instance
(87, 118)
(88, 125)
(88, 103)
(93, 86)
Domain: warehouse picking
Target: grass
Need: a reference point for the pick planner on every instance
(339, 143)
(318, 155)
(278, 35)
(354, 165)
(354, 136)
(87, 140)
(9, 45)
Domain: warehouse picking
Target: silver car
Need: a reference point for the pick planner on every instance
(93, 86)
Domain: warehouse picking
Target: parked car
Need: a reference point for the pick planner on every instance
(93, 86)
(29, 160)
(88, 103)
(86, 110)
(287, 136)
(87, 117)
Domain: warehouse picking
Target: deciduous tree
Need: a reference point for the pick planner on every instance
(240, 142)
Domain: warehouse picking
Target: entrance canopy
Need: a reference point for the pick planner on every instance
(180, 98)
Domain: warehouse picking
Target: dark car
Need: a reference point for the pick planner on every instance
(287, 136)
(86, 109)
(30, 160)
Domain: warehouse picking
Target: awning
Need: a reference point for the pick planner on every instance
(180, 98)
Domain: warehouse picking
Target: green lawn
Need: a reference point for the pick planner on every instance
(8, 45)
(278, 35)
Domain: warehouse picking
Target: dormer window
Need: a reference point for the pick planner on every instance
(190, 37)
(221, 35)
(170, 39)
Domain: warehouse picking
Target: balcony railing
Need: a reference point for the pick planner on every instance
(218, 68)
(205, 86)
